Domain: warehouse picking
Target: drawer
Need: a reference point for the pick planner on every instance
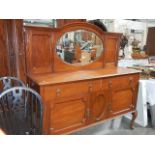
(123, 82)
(65, 90)
(100, 84)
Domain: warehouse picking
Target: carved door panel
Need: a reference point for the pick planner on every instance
(38, 50)
(68, 114)
(112, 48)
(99, 105)
(123, 98)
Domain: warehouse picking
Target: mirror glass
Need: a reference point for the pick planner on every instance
(79, 47)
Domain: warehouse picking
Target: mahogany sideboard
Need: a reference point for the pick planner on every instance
(78, 96)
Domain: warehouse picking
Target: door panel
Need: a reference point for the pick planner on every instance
(123, 94)
(68, 115)
(99, 105)
(38, 51)
(122, 100)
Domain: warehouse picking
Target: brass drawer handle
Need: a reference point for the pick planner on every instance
(58, 92)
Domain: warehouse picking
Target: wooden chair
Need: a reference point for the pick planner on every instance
(9, 82)
(20, 111)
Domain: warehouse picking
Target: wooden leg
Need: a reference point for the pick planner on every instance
(134, 115)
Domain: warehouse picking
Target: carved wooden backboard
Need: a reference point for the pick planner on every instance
(42, 48)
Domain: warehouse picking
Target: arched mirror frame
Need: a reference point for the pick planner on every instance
(60, 65)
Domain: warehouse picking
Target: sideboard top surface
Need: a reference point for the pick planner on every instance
(48, 79)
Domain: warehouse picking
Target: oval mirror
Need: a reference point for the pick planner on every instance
(79, 47)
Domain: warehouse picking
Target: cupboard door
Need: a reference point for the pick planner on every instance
(99, 105)
(122, 100)
(123, 97)
(68, 115)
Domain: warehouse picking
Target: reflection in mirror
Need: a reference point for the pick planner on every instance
(79, 47)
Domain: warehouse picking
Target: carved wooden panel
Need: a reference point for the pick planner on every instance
(112, 48)
(38, 51)
(67, 115)
(99, 105)
(122, 100)
(123, 92)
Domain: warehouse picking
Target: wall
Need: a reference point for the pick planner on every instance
(125, 26)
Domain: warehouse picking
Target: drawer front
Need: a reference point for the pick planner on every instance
(65, 90)
(123, 82)
(99, 85)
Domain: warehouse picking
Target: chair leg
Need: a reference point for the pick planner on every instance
(134, 116)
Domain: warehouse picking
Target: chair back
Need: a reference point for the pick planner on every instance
(9, 82)
(20, 111)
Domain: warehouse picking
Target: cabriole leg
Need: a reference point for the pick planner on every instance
(134, 116)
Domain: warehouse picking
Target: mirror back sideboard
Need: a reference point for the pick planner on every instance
(76, 97)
